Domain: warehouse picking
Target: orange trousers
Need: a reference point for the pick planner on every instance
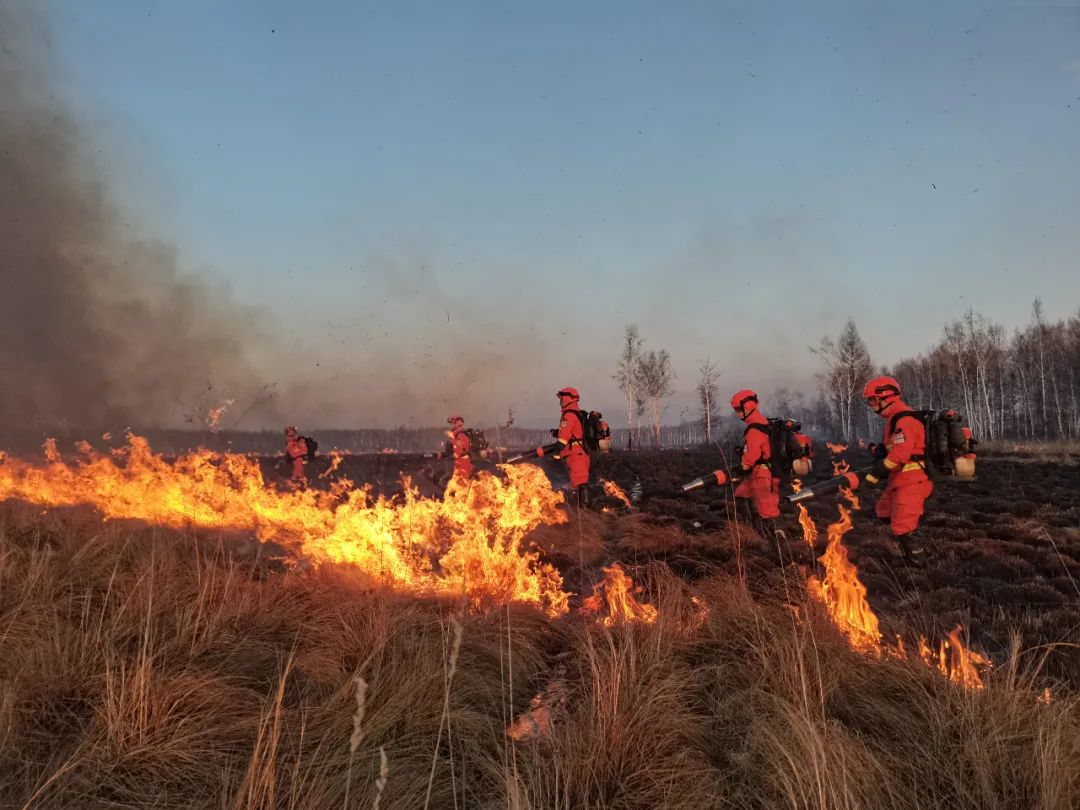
(763, 491)
(577, 464)
(463, 467)
(903, 500)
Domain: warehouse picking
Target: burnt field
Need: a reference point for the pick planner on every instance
(1004, 550)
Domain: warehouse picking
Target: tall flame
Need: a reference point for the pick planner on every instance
(845, 597)
(809, 530)
(617, 591)
(470, 543)
(842, 592)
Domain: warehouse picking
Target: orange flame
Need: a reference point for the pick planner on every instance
(840, 467)
(842, 592)
(836, 449)
(617, 590)
(471, 543)
(213, 416)
(336, 458)
(613, 490)
(959, 664)
(809, 530)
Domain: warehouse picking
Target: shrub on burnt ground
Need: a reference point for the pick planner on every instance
(991, 562)
(1004, 531)
(991, 506)
(941, 521)
(983, 520)
(941, 601)
(1025, 594)
(1023, 509)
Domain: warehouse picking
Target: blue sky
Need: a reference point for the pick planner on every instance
(460, 206)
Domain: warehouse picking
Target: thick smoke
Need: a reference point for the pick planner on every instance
(97, 327)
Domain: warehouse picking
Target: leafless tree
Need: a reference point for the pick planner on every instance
(708, 391)
(847, 367)
(656, 378)
(628, 377)
(1026, 387)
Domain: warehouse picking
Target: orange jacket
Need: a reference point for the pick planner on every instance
(461, 444)
(905, 440)
(756, 448)
(295, 447)
(571, 431)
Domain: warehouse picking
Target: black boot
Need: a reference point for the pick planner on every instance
(584, 497)
(912, 546)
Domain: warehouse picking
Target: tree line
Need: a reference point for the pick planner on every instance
(1024, 385)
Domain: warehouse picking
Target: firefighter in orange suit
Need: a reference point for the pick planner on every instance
(296, 450)
(759, 487)
(460, 447)
(569, 444)
(901, 459)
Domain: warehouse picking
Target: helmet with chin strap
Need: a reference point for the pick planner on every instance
(743, 402)
(880, 392)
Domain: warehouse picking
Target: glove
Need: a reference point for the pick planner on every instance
(539, 452)
(878, 472)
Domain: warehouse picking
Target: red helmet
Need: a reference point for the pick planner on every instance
(455, 418)
(741, 400)
(572, 393)
(880, 391)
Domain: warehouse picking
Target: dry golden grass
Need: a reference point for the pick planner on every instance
(144, 668)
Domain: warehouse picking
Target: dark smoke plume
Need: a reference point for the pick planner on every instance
(97, 327)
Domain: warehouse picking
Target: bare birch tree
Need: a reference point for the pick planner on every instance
(628, 377)
(655, 378)
(708, 391)
(1026, 387)
(847, 367)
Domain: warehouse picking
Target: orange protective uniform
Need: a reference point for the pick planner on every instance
(461, 447)
(572, 436)
(296, 449)
(759, 486)
(905, 494)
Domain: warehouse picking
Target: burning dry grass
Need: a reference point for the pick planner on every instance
(145, 668)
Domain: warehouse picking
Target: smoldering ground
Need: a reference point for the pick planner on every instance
(99, 327)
